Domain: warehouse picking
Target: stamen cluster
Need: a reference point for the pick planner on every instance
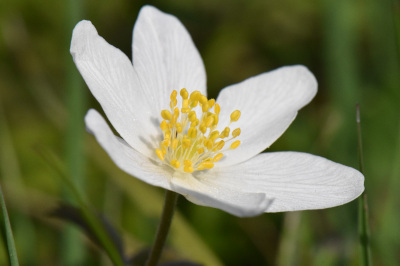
(191, 143)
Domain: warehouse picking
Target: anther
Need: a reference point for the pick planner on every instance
(163, 149)
(160, 154)
(217, 109)
(206, 165)
(194, 96)
(164, 125)
(203, 128)
(186, 143)
(211, 103)
(236, 133)
(220, 145)
(217, 157)
(175, 163)
(188, 169)
(184, 93)
(166, 114)
(203, 100)
(225, 133)
(174, 94)
(192, 116)
(192, 132)
(175, 115)
(209, 121)
(214, 135)
(235, 144)
(235, 115)
(204, 107)
(174, 144)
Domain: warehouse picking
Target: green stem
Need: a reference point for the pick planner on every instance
(363, 205)
(12, 251)
(163, 227)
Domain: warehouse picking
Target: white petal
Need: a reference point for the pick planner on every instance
(205, 193)
(124, 156)
(291, 180)
(268, 103)
(110, 76)
(165, 57)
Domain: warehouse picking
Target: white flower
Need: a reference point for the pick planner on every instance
(244, 182)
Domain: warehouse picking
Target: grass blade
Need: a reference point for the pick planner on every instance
(90, 217)
(12, 252)
(363, 226)
(75, 159)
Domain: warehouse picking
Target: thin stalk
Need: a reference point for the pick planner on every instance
(74, 251)
(163, 227)
(396, 23)
(12, 251)
(363, 226)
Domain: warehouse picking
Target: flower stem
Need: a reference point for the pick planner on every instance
(362, 204)
(163, 227)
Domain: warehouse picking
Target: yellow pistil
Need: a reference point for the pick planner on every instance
(191, 141)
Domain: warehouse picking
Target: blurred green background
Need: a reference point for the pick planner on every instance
(352, 47)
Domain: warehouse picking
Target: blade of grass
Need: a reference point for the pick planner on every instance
(396, 22)
(289, 239)
(363, 227)
(75, 102)
(12, 252)
(90, 217)
(10, 171)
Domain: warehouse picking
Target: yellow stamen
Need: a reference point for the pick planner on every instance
(175, 115)
(186, 143)
(192, 116)
(209, 121)
(190, 139)
(214, 135)
(203, 128)
(219, 145)
(192, 132)
(184, 93)
(204, 107)
(217, 109)
(225, 133)
(175, 163)
(188, 169)
(160, 154)
(174, 144)
(211, 103)
(217, 157)
(166, 114)
(236, 133)
(206, 165)
(164, 125)
(235, 116)
(235, 144)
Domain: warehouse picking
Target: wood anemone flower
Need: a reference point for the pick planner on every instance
(173, 136)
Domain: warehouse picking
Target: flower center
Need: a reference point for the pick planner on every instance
(191, 143)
